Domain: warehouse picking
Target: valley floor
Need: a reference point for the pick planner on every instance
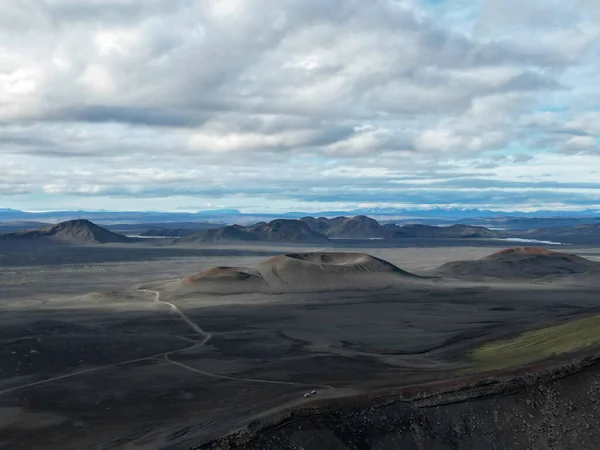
(94, 356)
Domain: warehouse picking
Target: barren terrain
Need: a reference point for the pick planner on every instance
(99, 352)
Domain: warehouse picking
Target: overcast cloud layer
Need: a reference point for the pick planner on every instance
(299, 104)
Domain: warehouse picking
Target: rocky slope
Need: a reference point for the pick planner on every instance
(539, 408)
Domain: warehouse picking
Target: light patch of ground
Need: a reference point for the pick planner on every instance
(538, 344)
(17, 418)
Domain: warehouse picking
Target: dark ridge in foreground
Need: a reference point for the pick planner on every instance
(521, 262)
(540, 407)
(78, 231)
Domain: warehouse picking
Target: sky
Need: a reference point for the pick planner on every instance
(261, 105)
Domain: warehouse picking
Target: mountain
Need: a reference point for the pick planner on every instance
(357, 227)
(78, 231)
(286, 230)
(363, 227)
(279, 230)
(453, 231)
(311, 229)
(521, 262)
(230, 233)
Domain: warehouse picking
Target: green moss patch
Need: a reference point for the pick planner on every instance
(537, 345)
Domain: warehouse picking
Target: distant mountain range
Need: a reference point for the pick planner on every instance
(363, 227)
(322, 229)
(279, 230)
(231, 216)
(305, 230)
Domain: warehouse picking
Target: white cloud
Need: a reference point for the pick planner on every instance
(588, 122)
(578, 144)
(146, 97)
(445, 140)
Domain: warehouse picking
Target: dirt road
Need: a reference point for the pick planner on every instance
(205, 337)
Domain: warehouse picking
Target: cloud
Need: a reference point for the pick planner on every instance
(7, 189)
(127, 115)
(294, 58)
(580, 144)
(294, 101)
(586, 123)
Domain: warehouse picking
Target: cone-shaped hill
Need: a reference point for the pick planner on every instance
(522, 262)
(298, 272)
(73, 231)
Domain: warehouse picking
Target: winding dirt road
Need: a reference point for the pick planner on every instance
(166, 356)
(205, 338)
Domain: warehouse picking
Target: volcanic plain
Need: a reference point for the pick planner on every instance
(146, 346)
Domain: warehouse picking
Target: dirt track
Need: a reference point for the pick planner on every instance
(205, 338)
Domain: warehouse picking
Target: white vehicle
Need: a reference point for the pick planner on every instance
(307, 395)
(313, 393)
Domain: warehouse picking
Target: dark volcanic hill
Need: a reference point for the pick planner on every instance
(280, 230)
(454, 231)
(287, 230)
(318, 224)
(357, 227)
(522, 262)
(298, 272)
(73, 231)
(363, 227)
(230, 233)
